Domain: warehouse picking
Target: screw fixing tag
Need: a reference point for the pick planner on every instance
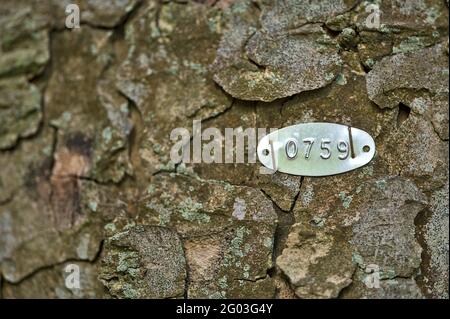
(316, 149)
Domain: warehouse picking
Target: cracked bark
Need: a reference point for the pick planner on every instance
(121, 202)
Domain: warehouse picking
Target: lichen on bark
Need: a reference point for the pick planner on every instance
(86, 178)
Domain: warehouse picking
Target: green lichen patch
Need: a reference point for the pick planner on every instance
(20, 110)
(144, 262)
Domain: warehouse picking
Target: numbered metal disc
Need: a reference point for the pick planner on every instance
(316, 149)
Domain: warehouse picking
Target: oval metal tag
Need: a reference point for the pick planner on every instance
(316, 149)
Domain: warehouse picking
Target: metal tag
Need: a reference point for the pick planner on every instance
(316, 149)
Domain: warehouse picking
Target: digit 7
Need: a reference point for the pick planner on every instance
(310, 141)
